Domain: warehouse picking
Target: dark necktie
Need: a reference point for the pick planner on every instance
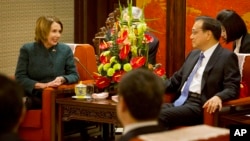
(185, 91)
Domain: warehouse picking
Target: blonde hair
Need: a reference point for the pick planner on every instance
(43, 25)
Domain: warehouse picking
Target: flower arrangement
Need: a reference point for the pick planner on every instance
(126, 50)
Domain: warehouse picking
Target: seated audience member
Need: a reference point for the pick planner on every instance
(209, 76)
(234, 30)
(45, 62)
(140, 95)
(12, 109)
(153, 46)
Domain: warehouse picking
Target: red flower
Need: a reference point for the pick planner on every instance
(117, 75)
(103, 45)
(96, 75)
(160, 71)
(102, 82)
(124, 35)
(124, 51)
(137, 62)
(148, 38)
(104, 59)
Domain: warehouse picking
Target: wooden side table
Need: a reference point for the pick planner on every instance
(102, 111)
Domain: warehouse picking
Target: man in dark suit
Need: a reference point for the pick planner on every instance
(217, 79)
(12, 109)
(140, 99)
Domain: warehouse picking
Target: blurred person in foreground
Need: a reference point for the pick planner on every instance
(45, 62)
(209, 76)
(12, 108)
(234, 30)
(140, 96)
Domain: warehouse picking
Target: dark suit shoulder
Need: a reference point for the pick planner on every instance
(28, 46)
(64, 48)
(225, 51)
(63, 45)
(195, 52)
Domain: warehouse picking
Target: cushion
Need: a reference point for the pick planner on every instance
(243, 90)
(32, 119)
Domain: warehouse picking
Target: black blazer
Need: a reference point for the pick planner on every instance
(140, 131)
(221, 76)
(245, 44)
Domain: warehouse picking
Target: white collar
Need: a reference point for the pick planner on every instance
(210, 51)
(132, 126)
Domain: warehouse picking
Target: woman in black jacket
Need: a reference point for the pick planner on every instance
(234, 29)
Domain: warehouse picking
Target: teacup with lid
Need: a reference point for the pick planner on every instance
(80, 90)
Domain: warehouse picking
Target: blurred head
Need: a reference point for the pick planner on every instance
(140, 94)
(48, 30)
(12, 107)
(205, 32)
(233, 26)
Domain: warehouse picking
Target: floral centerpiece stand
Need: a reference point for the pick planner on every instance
(125, 49)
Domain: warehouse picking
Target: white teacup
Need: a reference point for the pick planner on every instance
(84, 91)
(80, 90)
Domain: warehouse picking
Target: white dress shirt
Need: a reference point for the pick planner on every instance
(195, 85)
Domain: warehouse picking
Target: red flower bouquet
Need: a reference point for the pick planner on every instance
(126, 50)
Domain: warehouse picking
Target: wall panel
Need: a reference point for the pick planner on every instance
(211, 8)
(17, 24)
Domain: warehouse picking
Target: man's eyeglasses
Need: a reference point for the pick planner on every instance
(195, 31)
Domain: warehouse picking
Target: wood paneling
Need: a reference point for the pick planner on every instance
(176, 10)
(90, 16)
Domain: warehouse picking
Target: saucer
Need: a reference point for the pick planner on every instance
(99, 96)
(115, 98)
(81, 97)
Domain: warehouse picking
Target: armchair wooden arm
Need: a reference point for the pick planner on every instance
(237, 102)
(212, 119)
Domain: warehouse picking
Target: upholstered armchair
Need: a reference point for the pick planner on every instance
(87, 60)
(229, 106)
(238, 104)
(40, 125)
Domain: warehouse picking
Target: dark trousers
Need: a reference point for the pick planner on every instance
(190, 113)
(34, 100)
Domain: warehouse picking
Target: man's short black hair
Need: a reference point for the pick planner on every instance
(211, 24)
(142, 91)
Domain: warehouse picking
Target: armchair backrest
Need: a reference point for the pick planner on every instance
(244, 63)
(86, 55)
